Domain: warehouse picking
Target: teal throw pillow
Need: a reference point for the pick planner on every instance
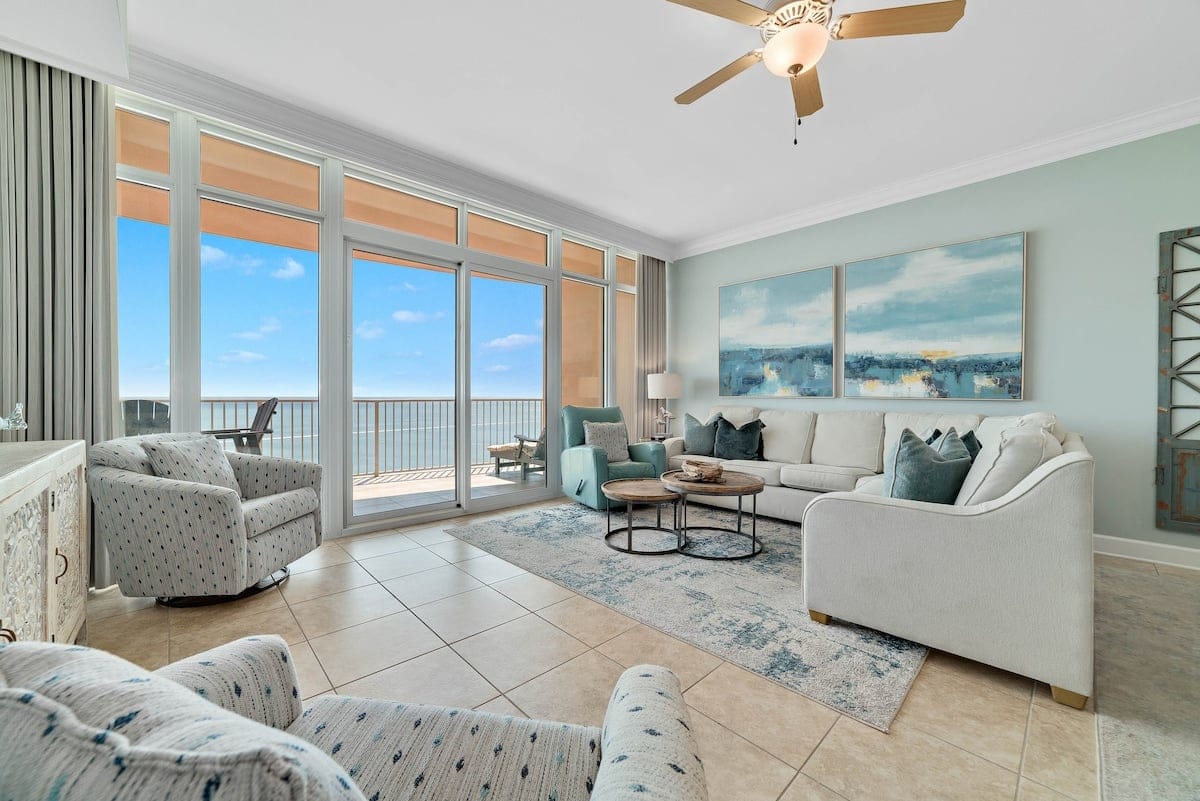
(969, 440)
(915, 471)
(699, 439)
(739, 442)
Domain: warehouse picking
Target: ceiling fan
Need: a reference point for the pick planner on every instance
(795, 34)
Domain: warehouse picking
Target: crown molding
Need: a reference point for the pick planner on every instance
(169, 81)
(1076, 143)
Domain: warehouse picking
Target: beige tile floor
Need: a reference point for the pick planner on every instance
(416, 615)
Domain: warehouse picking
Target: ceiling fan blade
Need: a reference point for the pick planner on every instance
(924, 18)
(735, 10)
(719, 77)
(806, 91)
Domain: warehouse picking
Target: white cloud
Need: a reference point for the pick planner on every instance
(928, 274)
(241, 357)
(513, 341)
(410, 316)
(290, 269)
(269, 325)
(212, 256)
(497, 368)
(805, 323)
(215, 257)
(409, 287)
(369, 329)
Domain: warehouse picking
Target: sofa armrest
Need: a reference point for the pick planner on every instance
(259, 476)
(164, 535)
(673, 446)
(652, 452)
(254, 677)
(647, 749)
(1007, 582)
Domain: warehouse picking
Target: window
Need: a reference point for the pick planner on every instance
(626, 271)
(143, 142)
(625, 343)
(378, 205)
(144, 306)
(581, 259)
(582, 344)
(505, 239)
(252, 171)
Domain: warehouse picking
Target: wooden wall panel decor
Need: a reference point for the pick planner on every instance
(1177, 473)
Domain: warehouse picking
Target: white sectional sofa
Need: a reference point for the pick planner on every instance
(1007, 582)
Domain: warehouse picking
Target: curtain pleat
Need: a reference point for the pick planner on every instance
(652, 335)
(57, 257)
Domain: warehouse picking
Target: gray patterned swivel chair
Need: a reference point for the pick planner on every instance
(175, 540)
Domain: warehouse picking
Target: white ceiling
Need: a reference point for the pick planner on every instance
(573, 98)
(83, 36)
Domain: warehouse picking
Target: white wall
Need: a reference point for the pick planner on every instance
(1091, 303)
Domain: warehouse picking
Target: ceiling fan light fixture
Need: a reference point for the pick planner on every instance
(796, 49)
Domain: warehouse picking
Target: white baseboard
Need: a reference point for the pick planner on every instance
(1144, 551)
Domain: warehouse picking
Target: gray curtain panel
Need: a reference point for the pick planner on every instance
(652, 335)
(58, 348)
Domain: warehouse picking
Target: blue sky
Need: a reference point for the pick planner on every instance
(259, 324)
(964, 298)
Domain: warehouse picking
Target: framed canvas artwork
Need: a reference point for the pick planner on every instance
(776, 336)
(946, 322)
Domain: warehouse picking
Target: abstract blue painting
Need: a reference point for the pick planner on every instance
(946, 322)
(776, 336)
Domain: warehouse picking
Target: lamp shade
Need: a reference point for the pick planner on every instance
(664, 386)
(796, 49)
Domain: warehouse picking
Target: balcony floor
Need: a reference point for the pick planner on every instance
(397, 492)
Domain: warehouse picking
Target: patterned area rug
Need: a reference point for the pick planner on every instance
(1148, 685)
(749, 612)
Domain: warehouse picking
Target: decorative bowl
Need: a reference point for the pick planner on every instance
(701, 471)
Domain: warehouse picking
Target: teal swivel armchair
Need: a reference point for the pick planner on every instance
(585, 467)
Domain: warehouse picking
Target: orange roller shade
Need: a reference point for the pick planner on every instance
(226, 219)
(388, 208)
(140, 202)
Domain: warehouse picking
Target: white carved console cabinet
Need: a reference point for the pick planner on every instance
(43, 540)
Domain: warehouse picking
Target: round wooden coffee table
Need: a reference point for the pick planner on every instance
(631, 491)
(731, 484)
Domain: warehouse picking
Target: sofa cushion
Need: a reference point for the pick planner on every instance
(676, 462)
(822, 477)
(849, 439)
(127, 453)
(612, 437)
(738, 415)
(767, 471)
(200, 461)
(870, 485)
(919, 423)
(630, 469)
(915, 471)
(412, 752)
(85, 724)
(992, 427)
(738, 441)
(788, 435)
(1005, 461)
(264, 514)
(699, 439)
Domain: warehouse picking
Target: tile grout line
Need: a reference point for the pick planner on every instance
(1025, 743)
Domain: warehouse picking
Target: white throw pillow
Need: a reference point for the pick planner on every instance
(1005, 461)
(201, 461)
(612, 437)
(993, 427)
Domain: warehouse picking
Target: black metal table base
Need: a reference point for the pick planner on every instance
(756, 546)
(628, 529)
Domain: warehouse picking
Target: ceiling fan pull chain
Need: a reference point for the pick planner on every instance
(796, 131)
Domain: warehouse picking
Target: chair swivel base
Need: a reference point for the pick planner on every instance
(187, 601)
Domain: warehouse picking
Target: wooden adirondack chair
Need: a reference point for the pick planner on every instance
(249, 440)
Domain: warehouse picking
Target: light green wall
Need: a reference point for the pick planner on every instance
(1091, 309)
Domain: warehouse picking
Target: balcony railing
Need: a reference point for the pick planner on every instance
(388, 435)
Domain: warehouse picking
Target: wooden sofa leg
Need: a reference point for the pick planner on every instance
(1068, 698)
(819, 617)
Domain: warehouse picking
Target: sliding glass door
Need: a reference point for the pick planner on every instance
(508, 385)
(403, 403)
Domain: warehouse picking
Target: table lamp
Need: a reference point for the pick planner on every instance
(663, 387)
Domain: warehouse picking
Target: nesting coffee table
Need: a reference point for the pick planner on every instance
(645, 491)
(732, 484)
(673, 490)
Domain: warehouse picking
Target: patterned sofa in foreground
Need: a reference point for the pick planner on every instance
(228, 724)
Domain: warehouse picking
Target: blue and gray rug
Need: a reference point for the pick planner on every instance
(749, 612)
